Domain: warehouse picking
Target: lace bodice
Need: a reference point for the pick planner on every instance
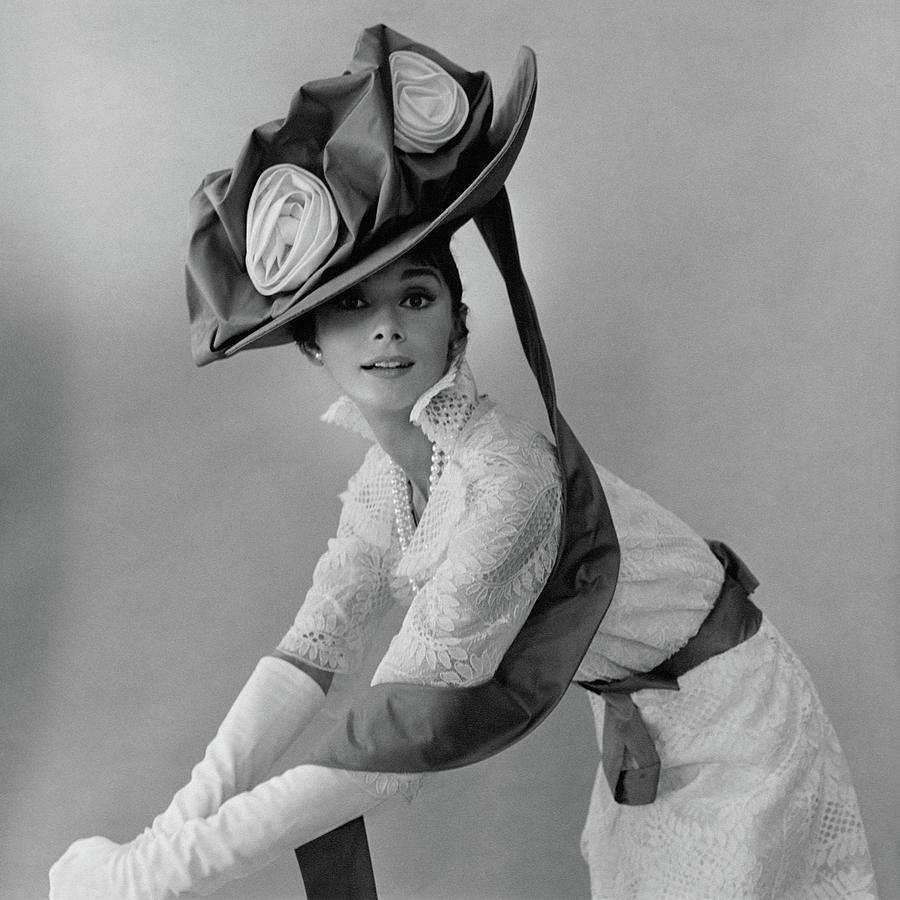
(478, 559)
(481, 554)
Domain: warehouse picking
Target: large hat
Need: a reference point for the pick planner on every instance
(364, 167)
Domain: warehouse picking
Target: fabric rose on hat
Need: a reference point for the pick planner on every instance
(430, 106)
(292, 226)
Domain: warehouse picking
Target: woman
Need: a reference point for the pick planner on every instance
(333, 231)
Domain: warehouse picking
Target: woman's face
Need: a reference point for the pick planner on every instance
(386, 341)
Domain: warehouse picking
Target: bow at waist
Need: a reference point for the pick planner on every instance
(732, 619)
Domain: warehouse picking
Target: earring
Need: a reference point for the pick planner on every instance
(317, 355)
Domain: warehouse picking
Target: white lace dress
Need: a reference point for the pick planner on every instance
(754, 799)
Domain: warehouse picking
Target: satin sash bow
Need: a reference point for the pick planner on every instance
(631, 763)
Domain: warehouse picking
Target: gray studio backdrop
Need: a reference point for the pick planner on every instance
(707, 205)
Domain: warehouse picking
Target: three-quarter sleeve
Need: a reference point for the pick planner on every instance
(350, 586)
(501, 549)
(477, 562)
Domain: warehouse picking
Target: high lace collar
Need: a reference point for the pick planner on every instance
(441, 412)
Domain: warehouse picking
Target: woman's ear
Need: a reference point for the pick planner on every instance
(459, 334)
(457, 347)
(310, 349)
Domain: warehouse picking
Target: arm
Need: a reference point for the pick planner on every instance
(350, 592)
(248, 832)
(285, 691)
(270, 712)
(497, 561)
(321, 677)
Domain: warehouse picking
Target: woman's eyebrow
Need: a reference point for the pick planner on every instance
(418, 271)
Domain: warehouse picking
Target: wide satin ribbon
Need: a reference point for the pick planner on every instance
(416, 728)
(631, 763)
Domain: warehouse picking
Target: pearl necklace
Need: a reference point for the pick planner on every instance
(402, 496)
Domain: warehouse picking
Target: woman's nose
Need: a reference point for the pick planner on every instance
(387, 326)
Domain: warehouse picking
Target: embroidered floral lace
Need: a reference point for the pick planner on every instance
(480, 555)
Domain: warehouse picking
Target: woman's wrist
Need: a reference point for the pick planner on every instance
(322, 677)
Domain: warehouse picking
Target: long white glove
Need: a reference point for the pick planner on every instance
(274, 706)
(248, 832)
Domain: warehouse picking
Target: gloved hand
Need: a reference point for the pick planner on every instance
(271, 711)
(249, 831)
(82, 870)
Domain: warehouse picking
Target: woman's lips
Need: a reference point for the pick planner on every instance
(388, 365)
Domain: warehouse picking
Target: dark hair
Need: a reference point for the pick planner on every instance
(433, 251)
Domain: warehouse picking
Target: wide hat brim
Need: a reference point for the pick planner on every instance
(258, 322)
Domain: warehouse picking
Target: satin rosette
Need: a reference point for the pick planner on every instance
(430, 106)
(292, 226)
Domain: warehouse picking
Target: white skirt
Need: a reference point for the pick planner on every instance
(755, 798)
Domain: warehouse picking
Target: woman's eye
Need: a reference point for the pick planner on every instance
(349, 302)
(418, 300)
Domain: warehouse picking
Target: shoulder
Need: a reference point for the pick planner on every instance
(370, 481)
(497, 444)
(503, 478)
(366, 508)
